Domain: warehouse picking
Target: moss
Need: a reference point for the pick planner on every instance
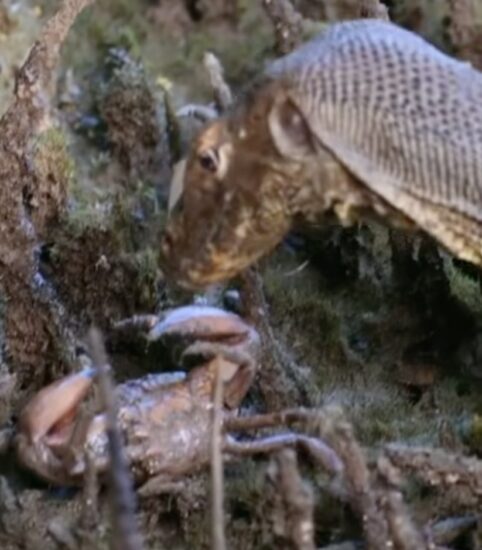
(146, 267)
(352, 337)
(134, 121)
(471, 432)
(303, 303)
(54, 163)
(426, 17)
(7, 24)
(463, 286)
(55, 170)
(52, 154)
(20, 22)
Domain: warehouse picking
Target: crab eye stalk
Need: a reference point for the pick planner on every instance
(209, 160)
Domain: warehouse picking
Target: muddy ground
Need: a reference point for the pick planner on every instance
(385, 325)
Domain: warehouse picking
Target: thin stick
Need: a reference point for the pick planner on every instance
(87, 529)
(122, 496)
(319, 451)
(287, 417)
(281, 381)
(465, 30)
(439, 468)
(287, 23)
(217, 477)
(33, 306)
(298, 500)
(403, 530)
(222, 93)
(373, 9)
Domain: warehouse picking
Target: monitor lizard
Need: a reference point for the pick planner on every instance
(365, 119)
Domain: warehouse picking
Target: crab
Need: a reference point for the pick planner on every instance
(166, 418)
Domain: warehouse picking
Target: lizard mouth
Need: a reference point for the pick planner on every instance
(206, 266)
(195, 256)
(195, 275)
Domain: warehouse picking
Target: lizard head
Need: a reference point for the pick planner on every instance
(242, 175)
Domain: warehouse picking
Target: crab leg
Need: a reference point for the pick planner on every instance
(286, 417)
(54, 403)
(237, 369)
(320, 452)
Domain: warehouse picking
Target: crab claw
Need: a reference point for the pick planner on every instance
(220, 339)
(201, 323)
(54, 406)
(47, 424)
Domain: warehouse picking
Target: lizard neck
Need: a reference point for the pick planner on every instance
(325, 187)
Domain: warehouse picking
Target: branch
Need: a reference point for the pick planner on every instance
(217, 495)
(26, 113)
(287, 23)
(298, 501)
(464, 31)
(123, 501)
(35, 319)
(222, 93)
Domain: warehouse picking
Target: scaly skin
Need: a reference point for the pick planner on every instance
(369, 120)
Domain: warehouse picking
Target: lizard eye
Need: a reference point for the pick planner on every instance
(216, 160)
(209, 160)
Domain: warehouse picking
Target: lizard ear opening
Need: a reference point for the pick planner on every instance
(289, 130)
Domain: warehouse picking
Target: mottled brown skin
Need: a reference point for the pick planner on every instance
(248, 177)
(221, 225)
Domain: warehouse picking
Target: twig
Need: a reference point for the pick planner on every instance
(318, 450)
(439, 468)
(464, 31)
(222, 93)
(281, 381)
(405, 534)
(34, 313)
(354, 9)
(446, 531)
(297, 269)
(287, 24)
(123, 501)
(287, 417)
(217, 526)
(29, 108)
(361, 494)
(402, 530)
(90, 504)
(298, 502)
(62, 534)
(373, 9)
(91, 492)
